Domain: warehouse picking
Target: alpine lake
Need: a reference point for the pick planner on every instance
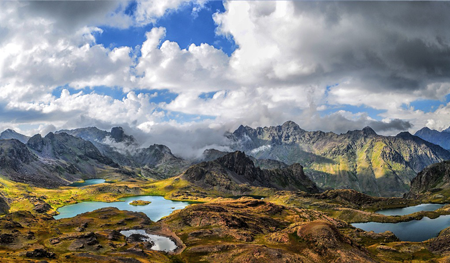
(415, 230)
(158, 208)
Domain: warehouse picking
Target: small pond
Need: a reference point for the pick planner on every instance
(161, 243)
(410, 209)
(415, 230)
(88, 182)
(158, 208)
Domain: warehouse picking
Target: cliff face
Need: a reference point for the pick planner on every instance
(234, 171)
(359, 160)
(19, 164)
(76, 152)
(434, 178)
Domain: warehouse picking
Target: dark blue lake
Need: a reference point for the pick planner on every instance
(88, 182)
(416, 230)
(410, 209)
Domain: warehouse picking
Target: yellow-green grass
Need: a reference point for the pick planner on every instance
(140, 203)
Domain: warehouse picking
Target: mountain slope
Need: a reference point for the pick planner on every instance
(11, 134)
(360, 160)
(81, 154)
(235, 171)
(440, 138)
(19, 164)
(155, 161)
(434, 178)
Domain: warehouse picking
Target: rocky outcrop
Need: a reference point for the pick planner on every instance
(360, 160)
(40, 253)
(259, 231)
(432, 179)
(4, 206)
(234, 172)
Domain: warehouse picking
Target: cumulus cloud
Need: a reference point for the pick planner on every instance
(148, 11)
(370, 47)
(293, 60)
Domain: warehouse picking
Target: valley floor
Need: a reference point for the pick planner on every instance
(264, 226)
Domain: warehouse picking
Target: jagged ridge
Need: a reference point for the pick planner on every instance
(360, 160)
(230, 172)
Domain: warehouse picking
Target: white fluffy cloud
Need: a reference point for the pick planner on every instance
(293, 60)
(149, 10)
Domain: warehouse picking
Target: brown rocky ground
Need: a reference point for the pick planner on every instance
(259, 231)
(242, 230)
(93, 236)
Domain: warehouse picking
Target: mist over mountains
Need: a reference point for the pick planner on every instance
(361, 160)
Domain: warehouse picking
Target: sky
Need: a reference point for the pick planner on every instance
(183, 72)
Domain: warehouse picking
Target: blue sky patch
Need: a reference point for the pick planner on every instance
(429, 105)
(157, 96)
(207, 95)
(182, 26)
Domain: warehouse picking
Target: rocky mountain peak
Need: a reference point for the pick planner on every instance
(424, 129)
(405, 135)
(12, 134)
(36, 142)
(241, 130)
(440, 138)
(162, 148)
(117, 134)
(237, 162)
(50, 136)
(368, 131)
(290, 125)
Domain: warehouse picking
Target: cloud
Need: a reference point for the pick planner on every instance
(148, 11)
(293, 59)
(196, 69)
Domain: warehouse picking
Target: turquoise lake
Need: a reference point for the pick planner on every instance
(158, 208)
(88, 182)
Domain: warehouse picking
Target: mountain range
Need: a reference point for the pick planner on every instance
(440, 138)
(360, 160)
(280, 157)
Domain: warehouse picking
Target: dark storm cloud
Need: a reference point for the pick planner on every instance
(393, 125)
(385, 45)
(73, 14)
